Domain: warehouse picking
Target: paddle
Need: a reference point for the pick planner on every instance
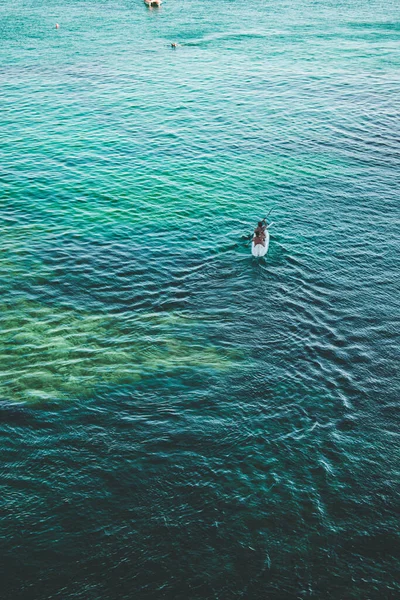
(250, 237)
(269, 212)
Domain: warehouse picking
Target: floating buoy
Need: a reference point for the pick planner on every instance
(57, 26)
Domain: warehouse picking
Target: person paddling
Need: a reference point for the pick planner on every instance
(259, 237)
(260, 229)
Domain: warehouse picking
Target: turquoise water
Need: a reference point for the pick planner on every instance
(178, 419)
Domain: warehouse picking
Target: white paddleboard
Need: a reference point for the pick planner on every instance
(259, 249)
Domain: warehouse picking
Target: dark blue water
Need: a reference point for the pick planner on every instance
(179, 420)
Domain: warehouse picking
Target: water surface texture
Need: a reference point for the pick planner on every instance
(179, 420)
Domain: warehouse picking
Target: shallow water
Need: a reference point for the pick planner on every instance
(178, 419)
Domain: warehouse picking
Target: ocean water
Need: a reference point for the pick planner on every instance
(179, 420)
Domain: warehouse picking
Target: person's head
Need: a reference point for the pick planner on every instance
(260, 224)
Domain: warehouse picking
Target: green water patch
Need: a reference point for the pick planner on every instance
(20, 259)
(56, 353)
(285, 169)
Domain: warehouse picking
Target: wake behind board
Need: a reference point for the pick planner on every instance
(259, 250)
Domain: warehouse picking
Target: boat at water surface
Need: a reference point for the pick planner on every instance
(153, 2)
(259, 250)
